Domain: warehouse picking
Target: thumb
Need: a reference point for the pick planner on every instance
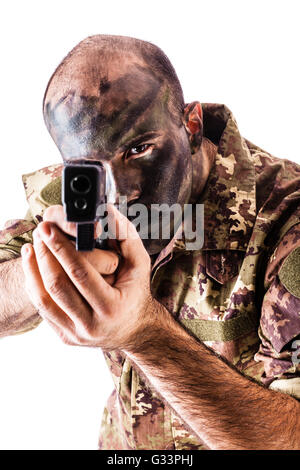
(122, 230)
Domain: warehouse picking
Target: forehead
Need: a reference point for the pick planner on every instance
(106, 110)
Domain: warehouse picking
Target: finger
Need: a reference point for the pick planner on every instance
(110, 279)
(83, 275)
(37, 292)
(105, 262)
(131, 246)
(56, 215)
(58, 284)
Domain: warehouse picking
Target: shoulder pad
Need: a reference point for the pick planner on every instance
(51, 193)
(289, 273)
(42, 189)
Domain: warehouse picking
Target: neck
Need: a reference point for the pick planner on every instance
(202, 162)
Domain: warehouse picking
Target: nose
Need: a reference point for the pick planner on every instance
(110, 190)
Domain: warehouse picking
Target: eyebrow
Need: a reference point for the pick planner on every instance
(137, 140)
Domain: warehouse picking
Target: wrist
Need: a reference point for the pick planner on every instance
(157, 329)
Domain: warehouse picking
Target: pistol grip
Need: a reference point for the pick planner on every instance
(85, 237)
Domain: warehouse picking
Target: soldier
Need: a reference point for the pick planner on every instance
(202, 344)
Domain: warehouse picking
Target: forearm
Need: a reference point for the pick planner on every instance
(224, 408)
(17, 313)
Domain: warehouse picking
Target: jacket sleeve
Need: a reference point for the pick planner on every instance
(279, 328)
(42, 189)
(14, 234)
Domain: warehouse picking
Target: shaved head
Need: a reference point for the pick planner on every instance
(97, 60)
(118, 100)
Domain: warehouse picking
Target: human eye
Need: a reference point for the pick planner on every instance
(138, 151)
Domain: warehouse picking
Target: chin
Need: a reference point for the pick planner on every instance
(154, 246)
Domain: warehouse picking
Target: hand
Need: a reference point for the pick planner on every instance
(104, 261)
(73, 296)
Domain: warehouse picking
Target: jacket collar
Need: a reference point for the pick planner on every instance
(229, 196)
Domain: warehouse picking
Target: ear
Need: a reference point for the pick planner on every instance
(193, 122)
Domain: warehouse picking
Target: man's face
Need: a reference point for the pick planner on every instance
(124, 119)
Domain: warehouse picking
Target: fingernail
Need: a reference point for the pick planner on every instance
(26, 250)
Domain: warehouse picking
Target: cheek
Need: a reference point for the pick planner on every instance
(168, 178)
(184, 172)
(165, 178)
(128, 179)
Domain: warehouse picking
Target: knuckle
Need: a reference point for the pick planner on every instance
(55, 286)
(58, 245)
(42, 301)
(78, 273)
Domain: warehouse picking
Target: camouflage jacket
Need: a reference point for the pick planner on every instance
(239, 294)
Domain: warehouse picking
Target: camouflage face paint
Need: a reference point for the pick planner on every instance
(130, 110)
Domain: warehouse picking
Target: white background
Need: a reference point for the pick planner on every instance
(241, 53)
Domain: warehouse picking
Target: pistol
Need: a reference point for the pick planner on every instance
(83, 191)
